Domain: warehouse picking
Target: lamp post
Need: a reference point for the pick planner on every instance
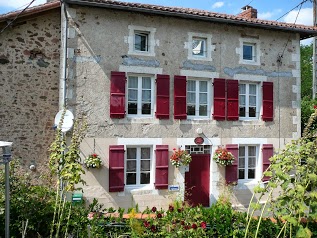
(6, 157)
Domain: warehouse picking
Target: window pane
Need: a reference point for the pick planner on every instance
(145, 153)
(145, 165)
(146, 82)
(203, 110)
(242, 100)
(191, 85)
(131, 153)
(241, 173)
(146, 96)
(199, 47)
(131, 178)
(203, 98)
(131, 166)
(132, 108)
(132, 95)
(247, 52)
(133, 82)
(145, 178)
(251, 162)
(140, 41)
(251, 173)
(241, 162)
(252, 89)
(203, 86)
(146, 108)
(252, 100)
(242, 89)
(251, 150)
(191, 110)
(241, 151)
(191, 97)
(252, 112)
(242, 111)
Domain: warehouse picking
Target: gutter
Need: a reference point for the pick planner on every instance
(243, 22)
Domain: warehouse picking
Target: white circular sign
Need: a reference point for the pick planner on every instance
(67, 122)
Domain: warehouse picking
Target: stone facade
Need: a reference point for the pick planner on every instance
(29, 85)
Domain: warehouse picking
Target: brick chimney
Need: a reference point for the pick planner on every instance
(248, 12)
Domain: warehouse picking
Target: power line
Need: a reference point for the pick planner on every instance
(300, 4)
(10, 23)
(250, 2)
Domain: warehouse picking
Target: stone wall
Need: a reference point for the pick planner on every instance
(29, 84)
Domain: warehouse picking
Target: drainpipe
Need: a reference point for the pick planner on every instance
(63, 58)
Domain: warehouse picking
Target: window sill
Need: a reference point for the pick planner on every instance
(255, 122)
(247, 184)
(197, 58)
(194, 121)
(142, 53)
(249, 62)
(137, 120)
(139, 190)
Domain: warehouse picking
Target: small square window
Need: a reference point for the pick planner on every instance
(141, 40)
(199, 47)
(249, 52)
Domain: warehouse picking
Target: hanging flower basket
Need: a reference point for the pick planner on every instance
(93, 161)
(180, 157)
(223, 157)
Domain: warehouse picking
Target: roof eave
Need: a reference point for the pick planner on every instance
(304, 34)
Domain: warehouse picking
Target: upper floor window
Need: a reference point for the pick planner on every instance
(248, 101)
(249, 51)
(141, 40)
(199, 46)
(138, 165)
(198, 98)
(247, 162)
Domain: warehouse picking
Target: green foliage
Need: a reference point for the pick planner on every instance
(306, 70)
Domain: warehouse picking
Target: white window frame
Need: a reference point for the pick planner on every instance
(138, 166)
(139, 100)
(253, 52)
(151, 42)
(256, 53)
(258, 96)
(208, 46)
(196, 116)
(257, 167)
(146, 35)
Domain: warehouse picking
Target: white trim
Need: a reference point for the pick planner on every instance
(249, 141)
(140, 69)
(209, 46)
(258, 102)
(257, 52)
(139, 141)
(199, 74)
(258, 166)
(249, 77)
(151, 40)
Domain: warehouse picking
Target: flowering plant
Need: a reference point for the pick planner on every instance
(223, 157)
(180, 157)
(93, 161)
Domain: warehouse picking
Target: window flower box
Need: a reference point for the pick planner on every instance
(180, 157)
(223, 157)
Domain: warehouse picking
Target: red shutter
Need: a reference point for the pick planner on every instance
(232, 170)
(219, 99)
(267, 153)
(116, 168)
(162, 96)
(161, 168)
(267, 101)
(180, 97)
(232, 100)
(117, 95)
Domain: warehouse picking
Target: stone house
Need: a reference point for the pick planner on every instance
(152, 78)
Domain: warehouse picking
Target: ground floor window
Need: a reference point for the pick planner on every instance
(138, 165)
(247, 162)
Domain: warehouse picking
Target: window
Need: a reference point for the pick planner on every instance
(248, 101)
(141, 41)
(140, 95)
(138, 166)
(199, 47)
(247, 162)
(248, 52)
(198, 98)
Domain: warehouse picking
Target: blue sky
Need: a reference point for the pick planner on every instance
(267, 9)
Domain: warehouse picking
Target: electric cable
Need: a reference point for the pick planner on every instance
(10, 23)
(300, 4)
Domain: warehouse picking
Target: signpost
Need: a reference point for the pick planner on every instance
(6, 157)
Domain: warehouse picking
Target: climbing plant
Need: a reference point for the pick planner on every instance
(293, 176)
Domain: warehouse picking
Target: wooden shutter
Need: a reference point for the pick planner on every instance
(161, 167)
(267, 101)
(267, 153)
(232, 170)
(116, 168)
(117, 95)
(232, 100)
(219, 99)
(180, 97)
(162, 96)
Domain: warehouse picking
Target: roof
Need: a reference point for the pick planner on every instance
(188, 13)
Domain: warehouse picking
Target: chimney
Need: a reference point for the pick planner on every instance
(248, 12)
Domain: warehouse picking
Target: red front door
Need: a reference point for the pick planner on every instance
(197, 180)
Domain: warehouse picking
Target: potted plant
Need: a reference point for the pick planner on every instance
(93, 161)
(180, 157)
(223, 157)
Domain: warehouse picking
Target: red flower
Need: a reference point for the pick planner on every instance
(194, 226)
(182, 223)
(179, 209)
(203, 225)
(146, 224)
(315, 107)
(170, 208)
(94, 155)
(154, 209)
(153, 228)
(159, 215)
(186, 227)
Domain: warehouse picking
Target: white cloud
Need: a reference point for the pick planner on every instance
(17, 4)
(269, 15)
(217, 5)
(305, 17)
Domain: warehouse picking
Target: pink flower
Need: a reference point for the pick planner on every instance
(203, 225)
